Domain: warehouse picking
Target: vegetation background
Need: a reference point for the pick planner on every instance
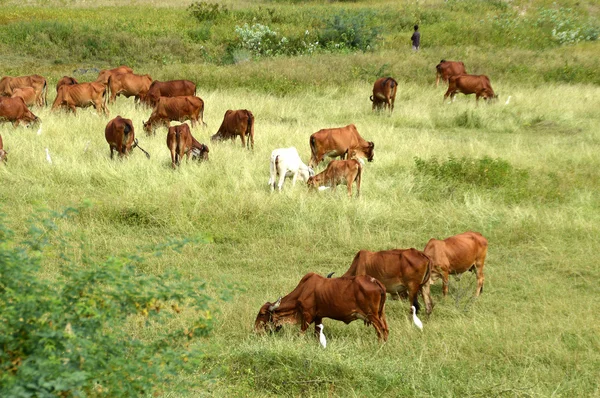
(523, 173)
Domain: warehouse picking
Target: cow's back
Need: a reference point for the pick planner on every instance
(458, 252)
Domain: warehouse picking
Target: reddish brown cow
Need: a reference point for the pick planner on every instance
(384, 93)
(3, 152)
(177, 109)
(446, 69)
(128, 84)
(316, 297)
(172, 88)
(27, 93)
(470, 84)
(457, 254)
(105, 74)
(81, 95)
(239, 122)
(339, 141)
(39, 84)
(120, 135)
(180, 142)
(401, 271)
(339, 172)
(66, 80)
(15, 110)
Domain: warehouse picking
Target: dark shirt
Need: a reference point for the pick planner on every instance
(416, 39)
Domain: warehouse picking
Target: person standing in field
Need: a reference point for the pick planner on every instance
(416, 39)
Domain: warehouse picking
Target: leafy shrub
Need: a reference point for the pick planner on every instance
(261, 40)
(65, 336)
(344, 30)
(204, 11)
(565, 26)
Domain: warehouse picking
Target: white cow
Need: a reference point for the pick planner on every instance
(285, 162)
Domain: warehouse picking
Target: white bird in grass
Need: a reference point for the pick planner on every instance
(322, 338)
(48, 158)
(39, 132)
(507, 100)
(416, 319)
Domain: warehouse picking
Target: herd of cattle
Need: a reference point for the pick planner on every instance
(358, 294)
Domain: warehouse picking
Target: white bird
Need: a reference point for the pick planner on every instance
(87, 145)
(323, 187)
(39, 132)
(322, 338)
(507, 100)
(416, 319)
(48, 158)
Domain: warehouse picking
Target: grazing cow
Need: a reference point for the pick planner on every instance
(39, 84)
(239, 122)
(285, 162)
(105, 74)
(384, 93)
(447, 69)
(339, 172)
(339, 141)
(457, 254)
(401, 271)
(120, 136)
(27, 93)
(128, 85)
(470, 84)
(177, 109)
(171, 88)
(316, 297)
(3, 152)
(81, 95)
(66, 80)
(15, 110)
(180, 142)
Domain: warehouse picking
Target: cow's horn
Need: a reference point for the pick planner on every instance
(372, 144)
(276, 305)
(330, 274)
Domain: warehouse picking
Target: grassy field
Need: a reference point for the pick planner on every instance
(533, 332)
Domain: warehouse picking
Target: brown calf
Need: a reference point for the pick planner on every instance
(180, 142)
(129, 85)
(15, 110)
(105, 74)
(339, 172)
(27, 93)
(3, 152)
(66, 80)
(178, 109)
(384, 93)
(470, 84)
(81, 95)
(340, 142)
(39, 84)
(239, 122)
(120, 135)
(447, 69)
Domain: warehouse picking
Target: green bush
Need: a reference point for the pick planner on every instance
(347, 30)
(67, 335)
(204, 11)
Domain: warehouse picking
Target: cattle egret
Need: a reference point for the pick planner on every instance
(416, 319)
(39, 132)
(48, 158)
(322, 338)
(507, 100)
(87, 145)
(322, 188)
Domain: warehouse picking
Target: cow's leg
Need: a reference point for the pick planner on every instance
(281, 179)
(448, 92)
(426, 293)
(273, 170)
(72, 108)
(349, 186)
(112, 152)
(243, 137)
(445, 282)
(294, 178)
(480, 278)
(379, 325)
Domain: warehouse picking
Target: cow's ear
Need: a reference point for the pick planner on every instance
(372, 144)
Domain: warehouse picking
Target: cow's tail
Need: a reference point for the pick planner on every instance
(427, 275)
(358, 178)
(313, 152)
(276, 169)
(107, 91)
(177, 144)
(371, 98)
(45, 91)
(250, 129)
(383, 297)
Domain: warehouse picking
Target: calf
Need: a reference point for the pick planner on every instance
(180, 142)
(470, 84)
(177, 109)
(39, 84)
(384, 93)
(339, 172)
(105, 74)
(3, 152)
(342, 142)
(27, 93)
(447, 69)
(15, 110)
(120, 135)
(66, 81)
(458, 254)
(316, 297)
(129, 85)
(171, 88)
(285, 162)
(239, 122)
(81, 95)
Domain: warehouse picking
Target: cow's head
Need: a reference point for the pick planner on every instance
(366, 151)
(217, 137)
(315, 181)
(147, 127)
(200, 152)
(267, 319)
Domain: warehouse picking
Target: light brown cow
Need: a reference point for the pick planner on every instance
(120, 135)
(457, 254)
(177, 109)
(384, 93)
(82, 95)
(470, 84)
(401, 271)
(447, 69)
(339, 172)
(27, 93)
(181, 142)
(15, 110)
(339, 141)
(66, 80)
(39, 84)
(171, 88)
(128, 84)
(3, 152)
(316, 297)
(239, 122)
(105, 74)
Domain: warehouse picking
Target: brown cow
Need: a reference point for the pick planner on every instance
(470, 84)
(339, 172)
(3, 152)
(128, 85)
(384, 93)
(27, 93)
(177, 109)
(457, 254)
(81, 95)
(239, 122)
(66, 80)
(16, 111)
(339, 141)
(120, 135)
(172, 88)
(180, 142)
(447, 69)
(39, 84)
(316, 297)
(401, 271)
(105, 74)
